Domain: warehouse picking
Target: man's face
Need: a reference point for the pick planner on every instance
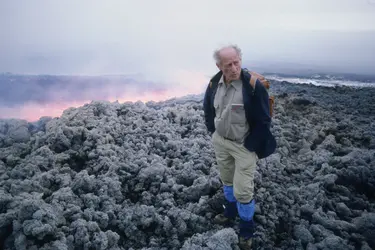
(230, 64)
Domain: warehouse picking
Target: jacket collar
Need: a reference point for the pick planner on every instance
(245, 77)
(235, 84)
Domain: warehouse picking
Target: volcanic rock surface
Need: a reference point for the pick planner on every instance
(144, 176)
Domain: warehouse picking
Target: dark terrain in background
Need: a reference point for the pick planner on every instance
(18, 89)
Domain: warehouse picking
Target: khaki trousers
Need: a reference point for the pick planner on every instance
(237, 167)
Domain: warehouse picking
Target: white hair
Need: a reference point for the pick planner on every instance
(233, 46)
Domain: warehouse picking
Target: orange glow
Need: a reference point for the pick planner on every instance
(181, 83)
(33, 111)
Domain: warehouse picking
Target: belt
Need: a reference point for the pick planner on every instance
(229, 139)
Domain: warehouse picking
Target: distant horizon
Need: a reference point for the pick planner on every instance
(301, 68)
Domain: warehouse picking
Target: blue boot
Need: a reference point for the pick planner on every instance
(247, 229)
(230, 208)
(247, 226)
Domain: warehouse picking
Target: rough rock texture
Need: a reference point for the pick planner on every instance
(144, 176)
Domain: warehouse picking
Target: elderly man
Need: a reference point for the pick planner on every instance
(237, 114)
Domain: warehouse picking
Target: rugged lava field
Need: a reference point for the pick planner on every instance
(134, 175)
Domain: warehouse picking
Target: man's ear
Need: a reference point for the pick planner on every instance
(218, 66)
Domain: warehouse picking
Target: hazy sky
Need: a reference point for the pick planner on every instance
(171, 42)
(96, 37)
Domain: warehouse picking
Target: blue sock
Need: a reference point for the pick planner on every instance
(246, 210)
